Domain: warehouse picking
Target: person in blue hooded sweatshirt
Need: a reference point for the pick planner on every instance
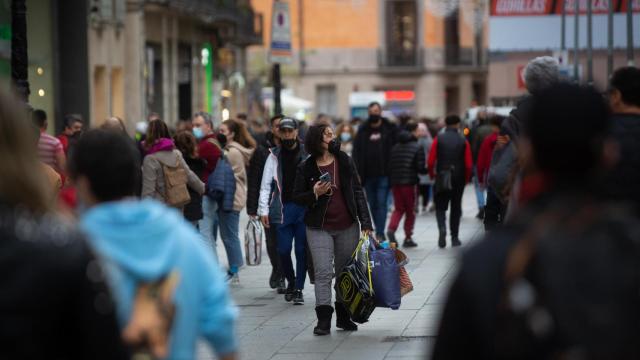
(142, 242)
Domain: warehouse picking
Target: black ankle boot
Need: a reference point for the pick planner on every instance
(442, 228)
(323, 312)
(343, 320)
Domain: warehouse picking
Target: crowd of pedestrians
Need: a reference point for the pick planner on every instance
(136, 238)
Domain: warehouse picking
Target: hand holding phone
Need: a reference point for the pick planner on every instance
(326, 177)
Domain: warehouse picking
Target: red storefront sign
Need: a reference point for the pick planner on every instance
(399, 95)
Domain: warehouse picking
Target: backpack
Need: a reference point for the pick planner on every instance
(221, 185)
(176, 193)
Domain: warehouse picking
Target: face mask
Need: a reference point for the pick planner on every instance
(374, 119)
(197, 132)
(222, 139)
(334, 146)
(345, 137)
(288, 143)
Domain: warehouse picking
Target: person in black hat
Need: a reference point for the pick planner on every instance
(276, 207)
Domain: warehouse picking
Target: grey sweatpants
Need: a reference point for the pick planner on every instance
(331, 250)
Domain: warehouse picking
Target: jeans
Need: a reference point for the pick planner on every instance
(494, 211)
(480, 191)
(377, 189)
(331, 250)
(271, 235)
(229, 227)
(208, 225)
(293, 227)
(404, 200)
(425, 192)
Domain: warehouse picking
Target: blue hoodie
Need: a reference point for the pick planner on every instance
(143, 240)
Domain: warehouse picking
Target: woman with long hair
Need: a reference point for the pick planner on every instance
(188, 145)
(45, 261)
(327, 184)
(238, 146)
(161, 153)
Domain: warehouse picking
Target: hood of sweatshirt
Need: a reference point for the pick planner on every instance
(163, 144)
(246, 152)
(141, 236)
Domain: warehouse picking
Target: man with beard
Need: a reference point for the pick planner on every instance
(254, 176)
(371, 153)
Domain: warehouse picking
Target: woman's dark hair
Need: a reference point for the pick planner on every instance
(109, 161)
(411, 126)
(314, 139)
(187, 144)
(627, 81)
(452, 120)
(157, 130)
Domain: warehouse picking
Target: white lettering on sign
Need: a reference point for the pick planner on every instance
(524, 7)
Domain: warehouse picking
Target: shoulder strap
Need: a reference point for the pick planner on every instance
(215, 143)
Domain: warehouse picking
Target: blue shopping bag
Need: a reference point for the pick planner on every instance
(385, 275)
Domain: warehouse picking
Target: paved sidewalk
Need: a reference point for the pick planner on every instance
(270, 328)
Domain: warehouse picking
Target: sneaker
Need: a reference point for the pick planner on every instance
(298, 299)
(442, 241)
(392, 237)
(408, 242)
(282, 287)
(480, 215)
(233, 278)
(288, 294)
(455, 241)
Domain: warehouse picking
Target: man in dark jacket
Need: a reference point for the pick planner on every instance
(450, 164)
(371, 153)
(254, 179)
(480, 131)
(209, 150)
(624, 100)
(407, 161)
(533, 288)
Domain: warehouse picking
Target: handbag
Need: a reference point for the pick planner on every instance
(253, 242)
(386, 278)
(355, 286)
(406, 286)
(443, 180)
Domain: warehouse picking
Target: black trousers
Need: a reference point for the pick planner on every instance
(425, 192)
(445, 199)
(272, 248)
(494, 211)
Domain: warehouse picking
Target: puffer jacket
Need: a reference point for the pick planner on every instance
(271, 186)
(306, 177)
(407, 160)
(256, 168)
(153, 176)
(238, 157)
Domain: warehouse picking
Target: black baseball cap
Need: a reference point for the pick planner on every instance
(288, 123)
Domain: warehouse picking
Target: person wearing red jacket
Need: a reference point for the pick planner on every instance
(210, 151)
(451, 164)
(494, 209)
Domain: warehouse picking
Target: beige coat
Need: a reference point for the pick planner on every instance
(153, 176)
(238, 157)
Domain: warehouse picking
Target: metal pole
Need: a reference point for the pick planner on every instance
(277, 86)
(590, 42)
(630, 60)
(563, 27)
(19, 56)
(576, 38)
(610, 40)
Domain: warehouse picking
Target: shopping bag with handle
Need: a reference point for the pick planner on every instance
(253, 242)
(355, 287)
(386, 278)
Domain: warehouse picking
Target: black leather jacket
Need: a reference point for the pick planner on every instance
(306, 177)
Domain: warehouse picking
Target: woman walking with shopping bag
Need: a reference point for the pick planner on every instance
(327, 184)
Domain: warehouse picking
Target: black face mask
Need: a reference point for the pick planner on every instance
(334, 146)
(222, 139)
(374, 119)
(288, 143)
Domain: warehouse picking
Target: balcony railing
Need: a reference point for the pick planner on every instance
(395, 60)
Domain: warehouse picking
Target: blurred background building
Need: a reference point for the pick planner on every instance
(129, 58)
(421, 57)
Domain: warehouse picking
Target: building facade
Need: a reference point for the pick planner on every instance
(425, 58)
(131, 58)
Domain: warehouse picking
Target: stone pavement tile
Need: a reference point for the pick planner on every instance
(361, 350)
(300, 356)
(415, 347)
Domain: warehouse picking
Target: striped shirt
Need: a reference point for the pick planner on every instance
(48, 147)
